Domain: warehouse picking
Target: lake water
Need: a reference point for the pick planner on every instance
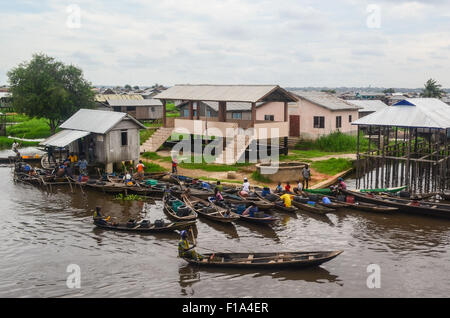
(43, 233)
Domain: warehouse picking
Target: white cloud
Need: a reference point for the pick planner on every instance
(289, 42)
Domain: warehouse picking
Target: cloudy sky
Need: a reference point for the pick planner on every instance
(285, 42)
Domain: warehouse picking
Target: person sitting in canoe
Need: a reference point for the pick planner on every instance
(219, 186)
(299, 188)
(250, 211)
(265, 191)
(279, 188)
(127, 178)
(140, 171)
(245, 188)
(99, 218)
(287, 187)
(286, 198)
(217, 195)
(341, 184)
(184, 250)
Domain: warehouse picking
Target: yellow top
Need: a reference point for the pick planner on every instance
(73, 158)
(287, 200)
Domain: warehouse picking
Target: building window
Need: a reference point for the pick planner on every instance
(208, 113)
(237, 116)
(124, 137)
(131, 108)
(116, 108)
(186, 113)
(338, 121)
(349, 118)
(195, 113)
(152, 108)
(269, 117)
(319, 122)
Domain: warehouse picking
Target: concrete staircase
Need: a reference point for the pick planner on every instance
(237, 150)
(157, 139)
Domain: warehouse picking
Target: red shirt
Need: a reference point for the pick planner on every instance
(287, 187)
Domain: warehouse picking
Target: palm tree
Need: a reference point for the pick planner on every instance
(432, 89)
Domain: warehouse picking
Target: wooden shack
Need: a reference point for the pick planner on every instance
(115, 136)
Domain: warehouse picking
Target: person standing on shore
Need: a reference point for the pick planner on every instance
(306, 173)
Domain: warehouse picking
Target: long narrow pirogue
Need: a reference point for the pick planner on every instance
(209, 210)
(148, 228)
(265, 260)
(263, 219)
(277, 203)
(258, 201)
(176, 209)
(408, 206)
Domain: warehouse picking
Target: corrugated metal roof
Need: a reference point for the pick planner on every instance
(102, 98)
(96, 121)
(231, 106)
(368, 105)
(134, 102)
(326, 100)
(64, 137)
(228, 93)
(418, 112)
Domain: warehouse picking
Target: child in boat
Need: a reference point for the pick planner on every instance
(265, 191)
(341, 184)
(245, 188)
(184, 250)
(218, 195)
(286, 198)
(279, 188)
(287, 187)
(299, 188)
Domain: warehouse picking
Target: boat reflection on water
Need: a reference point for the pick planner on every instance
(263, 229)
(191, 274)
(228, 228)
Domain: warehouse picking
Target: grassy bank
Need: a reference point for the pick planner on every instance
(31, 129)
(6, 143)
(335, 142)
(332, 166)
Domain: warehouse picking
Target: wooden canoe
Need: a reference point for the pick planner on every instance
(258, 201)
(265, 260)
(317, 209)
(432, 209)
(169, 227)
(267, 219)
(171, 213)
(209, 210)
(278, 204)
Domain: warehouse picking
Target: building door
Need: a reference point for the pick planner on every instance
(294, 125)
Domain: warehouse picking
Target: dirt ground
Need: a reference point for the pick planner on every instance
(244, 172)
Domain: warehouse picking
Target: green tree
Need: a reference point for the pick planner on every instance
(136, 87)
(432, 89)
(46, 88)
(127, 87)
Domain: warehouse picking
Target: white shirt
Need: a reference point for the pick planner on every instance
(246, 186)
(299, 186)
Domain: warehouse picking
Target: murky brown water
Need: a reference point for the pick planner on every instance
(42, 234)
